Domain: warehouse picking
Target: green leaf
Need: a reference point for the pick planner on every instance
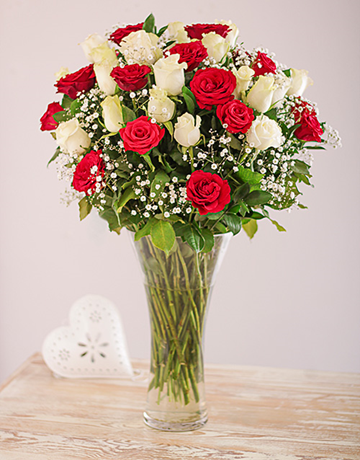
(257, 197)
(194, 239)
(208, 238)
(84, 208)
(314, 147)
(234, 210)
(147, 158)
(128, 114)
(257, 216)
(243, 209)
(112, 219)
(56, 154)
(75, 106)
(162, 30)
(241, 192)
(189, 99)
(278, 226)
(214, 215)
(271, 114)
(163, 235)
(61, 116)
(149, 24)
(159, 181)
(235, 143)
(246, 175)
(232, 222)
(287, 72)
(250, 228)
(169, 126)
(145, 230)
(66, 101)
(126, 196)
(300, 167)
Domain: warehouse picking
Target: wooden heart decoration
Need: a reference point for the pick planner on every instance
(94, 344)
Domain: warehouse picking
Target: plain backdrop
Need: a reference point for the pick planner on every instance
(284, 299)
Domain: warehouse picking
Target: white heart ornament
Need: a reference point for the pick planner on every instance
(94, 344)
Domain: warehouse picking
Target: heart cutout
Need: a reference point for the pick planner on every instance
(93, 346)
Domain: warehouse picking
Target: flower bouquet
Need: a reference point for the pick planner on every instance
(183, 137)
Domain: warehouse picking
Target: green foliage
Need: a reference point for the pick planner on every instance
(248, 176)
(128, 114)
(112, 219)
(300, 167)
(287, 72)
(162, 30)
(233, 223)
(126, 196)
(149, 24)
(64, 115)
(189, 99)
(56, 154)
(145, 229)
(163, 235)
(250, 228)
(208, 238)
(169, 126)
(193, 237)
(277, 225)
(158, 183)
(257, 197)
(66, 101)
(84, 208)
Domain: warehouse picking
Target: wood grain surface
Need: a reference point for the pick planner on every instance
(254, 413)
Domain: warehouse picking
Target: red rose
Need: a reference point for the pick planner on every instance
(310, 129)
(198, 30)
(141, 135)
(47, 121)
(87, 171)
(123, 32)
(207, 192)
(213, 86)
(82, 80)
(236, 115)
(131, 77)
(192, 53)
(263, 64)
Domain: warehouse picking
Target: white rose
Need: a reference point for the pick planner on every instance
(282, 85)
(106, 83)
(62, 73)
(104, 53)
(216, 45)
(160, 106)
(299, 82)
(264, 133)
(91, 42)
(112, 113)
(140, 48)
(261, 94)
(233, 34)
(71, 138)
(169, 74)
(243, 77)
(176, 31)
(186, 132)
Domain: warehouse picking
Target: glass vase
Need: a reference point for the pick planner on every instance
(178, 288)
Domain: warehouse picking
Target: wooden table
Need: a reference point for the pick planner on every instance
(254, 413)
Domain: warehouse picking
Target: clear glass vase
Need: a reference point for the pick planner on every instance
(178, 288)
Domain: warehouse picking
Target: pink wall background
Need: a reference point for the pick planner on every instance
(284, 299)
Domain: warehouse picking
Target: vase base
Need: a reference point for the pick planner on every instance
(175, 426)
